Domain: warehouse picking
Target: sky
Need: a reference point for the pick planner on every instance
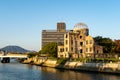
(22, 21)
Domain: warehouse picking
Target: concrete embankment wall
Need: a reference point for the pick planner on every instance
(100, 67)
(41, 62)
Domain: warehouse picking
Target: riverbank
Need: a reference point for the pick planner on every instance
(74, 65)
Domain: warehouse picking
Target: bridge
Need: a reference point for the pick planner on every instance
(13, 55)
(6, 58)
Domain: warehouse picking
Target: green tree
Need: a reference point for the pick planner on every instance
(117, 48)
(107, 43)
(32, 54)
(50, 49)
(98, 40)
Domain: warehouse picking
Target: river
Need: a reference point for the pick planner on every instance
(17, 71)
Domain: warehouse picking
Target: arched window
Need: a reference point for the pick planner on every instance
(66, 36)
(80, 37)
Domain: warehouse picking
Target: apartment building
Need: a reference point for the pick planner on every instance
(54, 35)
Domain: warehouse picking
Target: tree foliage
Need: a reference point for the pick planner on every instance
(107, 43)
(50, 49)
(117, 48)
(32, 54)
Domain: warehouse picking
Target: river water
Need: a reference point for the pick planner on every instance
(17, 71)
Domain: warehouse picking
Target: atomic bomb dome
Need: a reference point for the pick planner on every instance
(79, 26)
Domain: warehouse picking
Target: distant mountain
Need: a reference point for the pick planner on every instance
(15, 49)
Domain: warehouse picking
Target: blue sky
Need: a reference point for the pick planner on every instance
(21, 21)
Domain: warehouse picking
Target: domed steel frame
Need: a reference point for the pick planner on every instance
(81, 26)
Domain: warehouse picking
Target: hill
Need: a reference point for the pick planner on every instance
(15, 49)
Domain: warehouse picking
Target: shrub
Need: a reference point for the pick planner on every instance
(113, 59)
(62, 61)
(105, 59)
(80, 59)
(30, 55)
(52, 58)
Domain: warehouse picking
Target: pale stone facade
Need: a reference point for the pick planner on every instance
(78, 43)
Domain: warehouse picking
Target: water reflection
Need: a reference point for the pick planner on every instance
(55, 74)
(17, 71)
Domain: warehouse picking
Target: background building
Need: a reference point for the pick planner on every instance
(78, 43)
(54, 35)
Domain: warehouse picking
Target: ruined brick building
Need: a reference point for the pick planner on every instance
(78, 43)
